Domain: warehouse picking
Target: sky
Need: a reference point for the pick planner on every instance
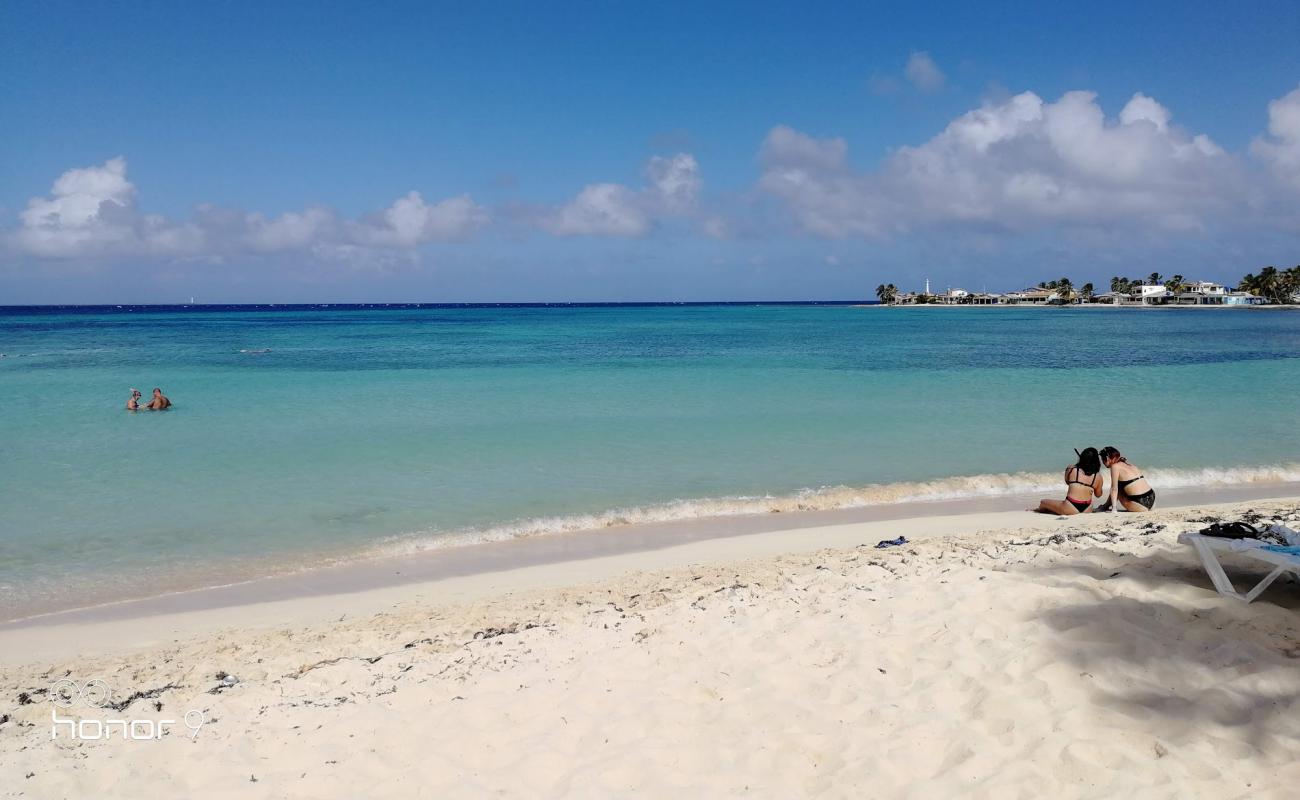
(611, 151)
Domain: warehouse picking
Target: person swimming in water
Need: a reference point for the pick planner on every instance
(159, 401)
(1128, 486)
(1082, 483)
(133, 402)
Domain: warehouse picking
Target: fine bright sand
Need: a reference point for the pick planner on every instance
(1039, 657)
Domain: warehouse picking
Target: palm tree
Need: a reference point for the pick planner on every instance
(1174, 284)
(1291, 284)
(1064, 289)
(1087, 292)
(886, 292)
(1270, 284)
(1116, 283)
(1154, 279)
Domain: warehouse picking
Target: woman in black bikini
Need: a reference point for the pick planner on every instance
(1082, 483)
(1128, 487)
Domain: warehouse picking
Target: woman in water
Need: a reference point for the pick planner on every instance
(1128, 487)
(1082, 483)
(133, 402)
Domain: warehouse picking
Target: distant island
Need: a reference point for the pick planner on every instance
(1271, 286)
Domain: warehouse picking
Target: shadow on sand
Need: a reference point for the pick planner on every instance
(1158, 640)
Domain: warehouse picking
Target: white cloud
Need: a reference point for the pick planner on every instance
(612, 209)
(923, 73)
(1280, 149)
(675, 181)
(289, 231)
(1017, 164)
(601, 209)
(91, 212)
(79, 194)
(410, 222)
(1142, 108)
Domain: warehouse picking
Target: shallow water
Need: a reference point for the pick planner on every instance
(379, 430)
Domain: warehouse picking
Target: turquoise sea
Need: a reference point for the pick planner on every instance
(304, 435)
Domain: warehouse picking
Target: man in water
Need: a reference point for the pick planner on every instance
(133, 403)
(159, 401)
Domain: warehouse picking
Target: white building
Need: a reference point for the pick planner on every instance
(1207, 288)
(1208, 293)
(1031, 295)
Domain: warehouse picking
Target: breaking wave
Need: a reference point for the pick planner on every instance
(821, 499)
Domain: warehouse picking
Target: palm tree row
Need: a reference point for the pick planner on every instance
(1127, 285)
(1273, 284)
(1065, 291)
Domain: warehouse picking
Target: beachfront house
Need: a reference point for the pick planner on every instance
(1207, 293)
(1242, 299)
(1032, 296)
(1197, 293)
(953, 297)
(1206, 288)
(1143, 295)
(1200, 293)
(1152, 295)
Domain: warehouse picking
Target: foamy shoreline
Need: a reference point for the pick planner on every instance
(415, 558)
(998, 654)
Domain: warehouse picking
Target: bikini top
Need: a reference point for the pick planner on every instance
(1078, 472)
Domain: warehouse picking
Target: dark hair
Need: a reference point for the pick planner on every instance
(1108, 452)
(1089, 462)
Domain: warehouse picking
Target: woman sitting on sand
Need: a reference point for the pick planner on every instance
(1127, 484)
(1082, 483)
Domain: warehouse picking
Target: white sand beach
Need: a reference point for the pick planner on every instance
(996, 655)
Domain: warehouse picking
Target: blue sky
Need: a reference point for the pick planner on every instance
(606, 151)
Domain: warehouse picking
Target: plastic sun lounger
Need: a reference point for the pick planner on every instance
(1283, 559)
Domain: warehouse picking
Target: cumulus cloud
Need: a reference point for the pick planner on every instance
(1280, 148)
(92, 212)
(612, 209)
(923, 73)
(410, 222)
(1016, 164)
(600, 209)
(290, 231)
(674, 181)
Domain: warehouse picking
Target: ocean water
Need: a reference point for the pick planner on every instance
(306, 435)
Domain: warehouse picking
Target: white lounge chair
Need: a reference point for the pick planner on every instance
(1283, 559)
